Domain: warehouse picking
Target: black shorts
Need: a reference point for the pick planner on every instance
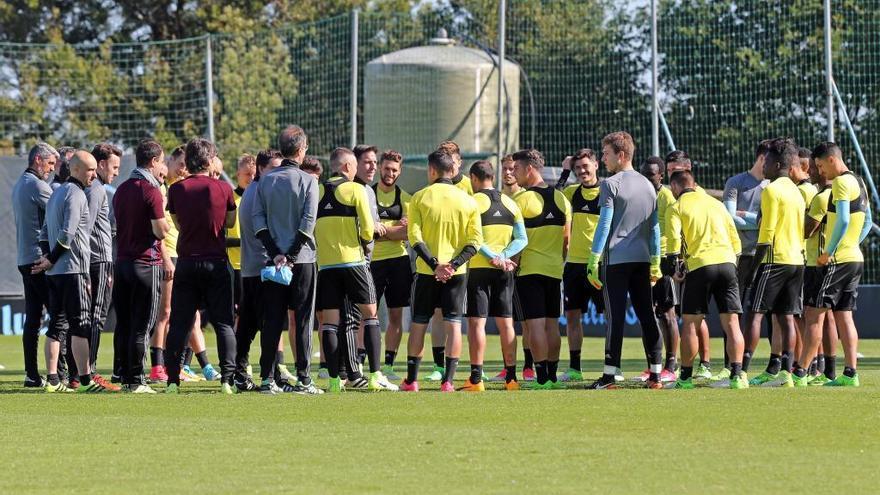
(69, 305)
(541, 296)
(838, 286)
(250, 306)
(517, 307)
(812, 285)
(489, 293)
(711, 281)
(777, 289)
(665, 295)
(393, 279)
(579, 291)
(428, 294)
(335, 284)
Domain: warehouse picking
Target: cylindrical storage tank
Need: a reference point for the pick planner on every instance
(417, 97)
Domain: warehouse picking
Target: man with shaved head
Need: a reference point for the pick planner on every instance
(67, 231)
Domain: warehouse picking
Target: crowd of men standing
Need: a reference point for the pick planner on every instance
(284, 247)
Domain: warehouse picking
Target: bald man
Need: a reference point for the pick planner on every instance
(67, 229)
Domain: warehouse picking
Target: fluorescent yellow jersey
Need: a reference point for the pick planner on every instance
(847, 187)
(344, 223)
(445, 219)
(665, 199)
(234, 252)
(463, 183)
(498, 215)
(702, 225)
(169, 243)
(514, 195)
(818, 210)
(808, 190)
(584, 217)
(392, 207)
(545, 211)
(782, 222)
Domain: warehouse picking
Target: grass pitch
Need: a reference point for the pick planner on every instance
(574, 441)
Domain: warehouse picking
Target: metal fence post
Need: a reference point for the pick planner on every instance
(209, 87)
(655, 107)
(353, 97)
(829, 80)
(502, 48)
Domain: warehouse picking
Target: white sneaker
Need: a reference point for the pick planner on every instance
(618, 375)
(284, 374)
(141, 389)
(722, 383)
(386, 384)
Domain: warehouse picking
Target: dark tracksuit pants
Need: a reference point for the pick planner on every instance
(633, 279)
(101, 275)
(36, 297)
(69, 310)
(299, 296)
(136, 292)
(201, 284)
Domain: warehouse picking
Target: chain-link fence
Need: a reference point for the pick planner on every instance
(731, 72)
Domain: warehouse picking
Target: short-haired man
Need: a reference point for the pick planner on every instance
(390, 264)
(778, 263)
(101, 244)
(284, 221)
(245, 171)
(30, 195)
(848, 222)
(452, 149)
(547, 217)
(62, 166)
(202, 208)
(490, 275)
(628, 238)
(253, 259)
(445, 232)
(142, 262)
(665, 291)
(700, 222)
(584, 199)
(67, 230)
(312, 166)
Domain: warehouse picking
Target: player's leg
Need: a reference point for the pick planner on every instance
(56, 333)
(220, 297)
(425, 298)
(849, 339)
(397, 297)
(552, 304)
(533, 312)
(614, 290)
(528, 360)
(123, 291)
(393, 336)
(250, 310)
(705, 353)
(200, 348)
(77, 306)
(302, 302)
(276, 299)
(842, 300)
(36, 297)
(438, 345)
(724, 289)
(185, 297)
(159, 333)
(689, 348)
(452, 299)
(575, 300)
(330, 302)
(476, 337)
(641, 298)
(479, 292)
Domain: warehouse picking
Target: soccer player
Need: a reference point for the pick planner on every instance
(490, 276)
(628, 238)
(67, 230)
(245, 171)
(547, 217)
(101, 247)
(452, 149)
(701, 223)
(390, 264)
(742, 199)
(284, 220)
(778, 263)
(509, 186)
(343, 231)
(201, 207)
(664, 292)
(584, 199)
(848, 222)
(800, 175)
(253, 259)
(29, 198)
(444, 231)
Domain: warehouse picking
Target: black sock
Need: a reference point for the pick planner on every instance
(86, 379)
(786, 361)
(747, 360)
(389, 358)
(686, 372)
(362, 355)
(541, 372)
(799, 371)
(438, 353)
(529, 360)
(670, 363)
(188, 356)
(279, 358)
(157, 356)
(735, 369)
(449, 372)
(373, 343)
(775, 364)
(510, 373)
(476, 373)
(813, 367)
(820, 363)
(574, 359)
(53, 379)
(830, 371)
(412, 368)
(330, 346)
(322, 364)
(849, 372)
(707, 364)
(552, 368)
(203, 359)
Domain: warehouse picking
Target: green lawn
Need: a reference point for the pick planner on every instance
(627, 441)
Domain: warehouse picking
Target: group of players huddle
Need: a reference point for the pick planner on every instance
(284, 247)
